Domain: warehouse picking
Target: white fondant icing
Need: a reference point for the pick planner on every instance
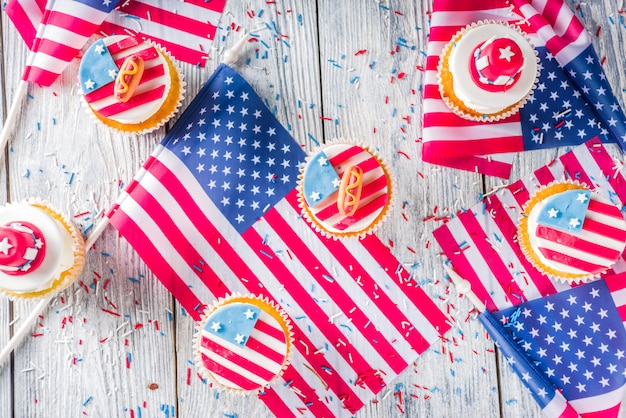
(59, 249)
(467, 91)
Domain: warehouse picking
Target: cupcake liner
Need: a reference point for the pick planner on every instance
(266, 306)
(445, 80)
(168, 109)
(524, 234)
(66, 277)
(323, 228)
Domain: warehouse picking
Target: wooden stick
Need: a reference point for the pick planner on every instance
(9, 123)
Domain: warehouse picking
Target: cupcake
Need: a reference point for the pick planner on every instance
(345, 190)
(571, 233)
(487, 71)
(243, 343)
(129, 84)
(41, 251)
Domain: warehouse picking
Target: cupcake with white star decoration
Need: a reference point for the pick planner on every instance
(129, 84)
(345, 190)
(243, 343)
(41, 251)
(487, 71)
(569, 232)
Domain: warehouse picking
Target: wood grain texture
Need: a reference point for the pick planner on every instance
(117, 344)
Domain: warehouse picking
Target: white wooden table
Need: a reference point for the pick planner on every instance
(342, 69)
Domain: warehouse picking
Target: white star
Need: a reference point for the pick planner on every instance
(595, 327)
(200, 168)
(239, 218)
(571, 299)
(553, 213)
(595, 361)
(572, 367)
(216, 326)
(574, 222)
(506, 53)
(588, 374)
(257, 114)
(239, 338)
(315, 196)
(604, 382)
(565, 380)
(580, 354)
(586, 307)
(603, 347)
(603, 313)
(611, 334)
(612, 368)
(249, 314)
(89, 84)
(580, 387)
(542, 392)
(587, 75)
(525, 377)
(230, 94)
(564, 313)
(112, 73)
(99, 48)
(271, 131)
(5, 246)
(549, 306)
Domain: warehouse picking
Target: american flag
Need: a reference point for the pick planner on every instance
(481, 246)
(55, 31)
(185, 28)
(572, 102)
(577, 342)
(215, 210)
(488, 230)
(243, 346)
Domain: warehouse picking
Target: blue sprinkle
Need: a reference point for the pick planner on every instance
(87, 400)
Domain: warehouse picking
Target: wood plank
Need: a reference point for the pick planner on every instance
(371, 91)
(78, 167)
(516, 401)
(285, 72)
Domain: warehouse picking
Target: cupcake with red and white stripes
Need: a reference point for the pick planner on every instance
(570, 232)
(129, 84)
(243, 343)
(345, 190)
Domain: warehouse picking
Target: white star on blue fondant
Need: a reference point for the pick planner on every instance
(320, 179)
(565, 211)
(235, 322)
(97, 67)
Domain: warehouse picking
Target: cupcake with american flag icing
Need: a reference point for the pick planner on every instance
(129, 84)
(570, 232)
(243, 343)
(345, 190)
